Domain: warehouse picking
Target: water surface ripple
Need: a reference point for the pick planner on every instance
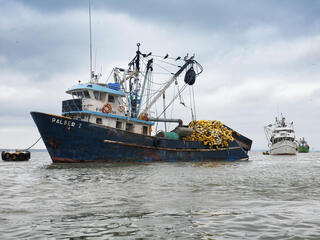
(268, 197)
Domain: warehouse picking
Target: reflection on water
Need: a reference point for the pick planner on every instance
(268, 197)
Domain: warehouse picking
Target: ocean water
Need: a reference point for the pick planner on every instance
(267, 197)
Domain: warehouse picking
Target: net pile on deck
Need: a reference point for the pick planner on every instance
(211, 133)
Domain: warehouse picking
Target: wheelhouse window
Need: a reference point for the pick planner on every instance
(145, 130)
(129, 127)
(111, 98)
(81, 94)
(99, 95)
(96, 95)
(86, 94)
(119, 124)
(77, 94)
(98, 120)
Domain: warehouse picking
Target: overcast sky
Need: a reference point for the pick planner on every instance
(260, 58)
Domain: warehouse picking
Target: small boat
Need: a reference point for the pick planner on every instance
(281, 137)
(15, 155)
(303, 146)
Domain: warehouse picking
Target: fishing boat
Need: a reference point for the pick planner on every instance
(303, 146)
(116, 121)
(281, 137)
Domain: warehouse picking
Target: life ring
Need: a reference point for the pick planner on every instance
(106, 108)
(121, 108)
(143, 117)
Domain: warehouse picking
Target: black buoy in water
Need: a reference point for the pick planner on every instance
(15, 155)
(18, 155)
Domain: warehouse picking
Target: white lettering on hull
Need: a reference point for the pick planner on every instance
(65, 122)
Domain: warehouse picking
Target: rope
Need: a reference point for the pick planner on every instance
(109, 75)
(158, 56)
(198, 66)
(175, 97)
(191, 108)
(172, 108)
(172, 64)
(32, 145)
(194, 104)
(162, 67)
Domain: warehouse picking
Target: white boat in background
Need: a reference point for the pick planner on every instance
(281, 138)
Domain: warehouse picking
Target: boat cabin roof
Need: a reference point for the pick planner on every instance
(95, 87)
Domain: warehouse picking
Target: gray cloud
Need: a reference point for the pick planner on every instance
(292, 16)
(37, 44)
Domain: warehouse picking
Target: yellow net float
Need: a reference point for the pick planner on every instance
(211, 133)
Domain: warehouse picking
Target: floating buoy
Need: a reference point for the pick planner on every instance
(15, 155)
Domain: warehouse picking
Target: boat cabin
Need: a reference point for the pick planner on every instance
(102, 104)
(282, 134)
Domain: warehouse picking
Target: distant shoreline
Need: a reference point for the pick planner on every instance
(31, 150)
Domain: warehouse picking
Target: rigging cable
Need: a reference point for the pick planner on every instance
(164, 109)
(157, 123)
(150, 92)
(194, 104)
(172, 64)
(171, 114)
(198, 66)
(191, 108)
(168, 72)
(162, 67)
(174, 98)
(179, 92)
(173, 58)
(32, 145)
(109, 75)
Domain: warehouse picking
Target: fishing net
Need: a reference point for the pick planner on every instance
(211, 133)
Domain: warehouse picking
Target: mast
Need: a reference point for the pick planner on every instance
(148, 69)
(173, 78)
(136, 93)
(91, 73)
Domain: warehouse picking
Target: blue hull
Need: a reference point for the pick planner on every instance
(70, 140)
